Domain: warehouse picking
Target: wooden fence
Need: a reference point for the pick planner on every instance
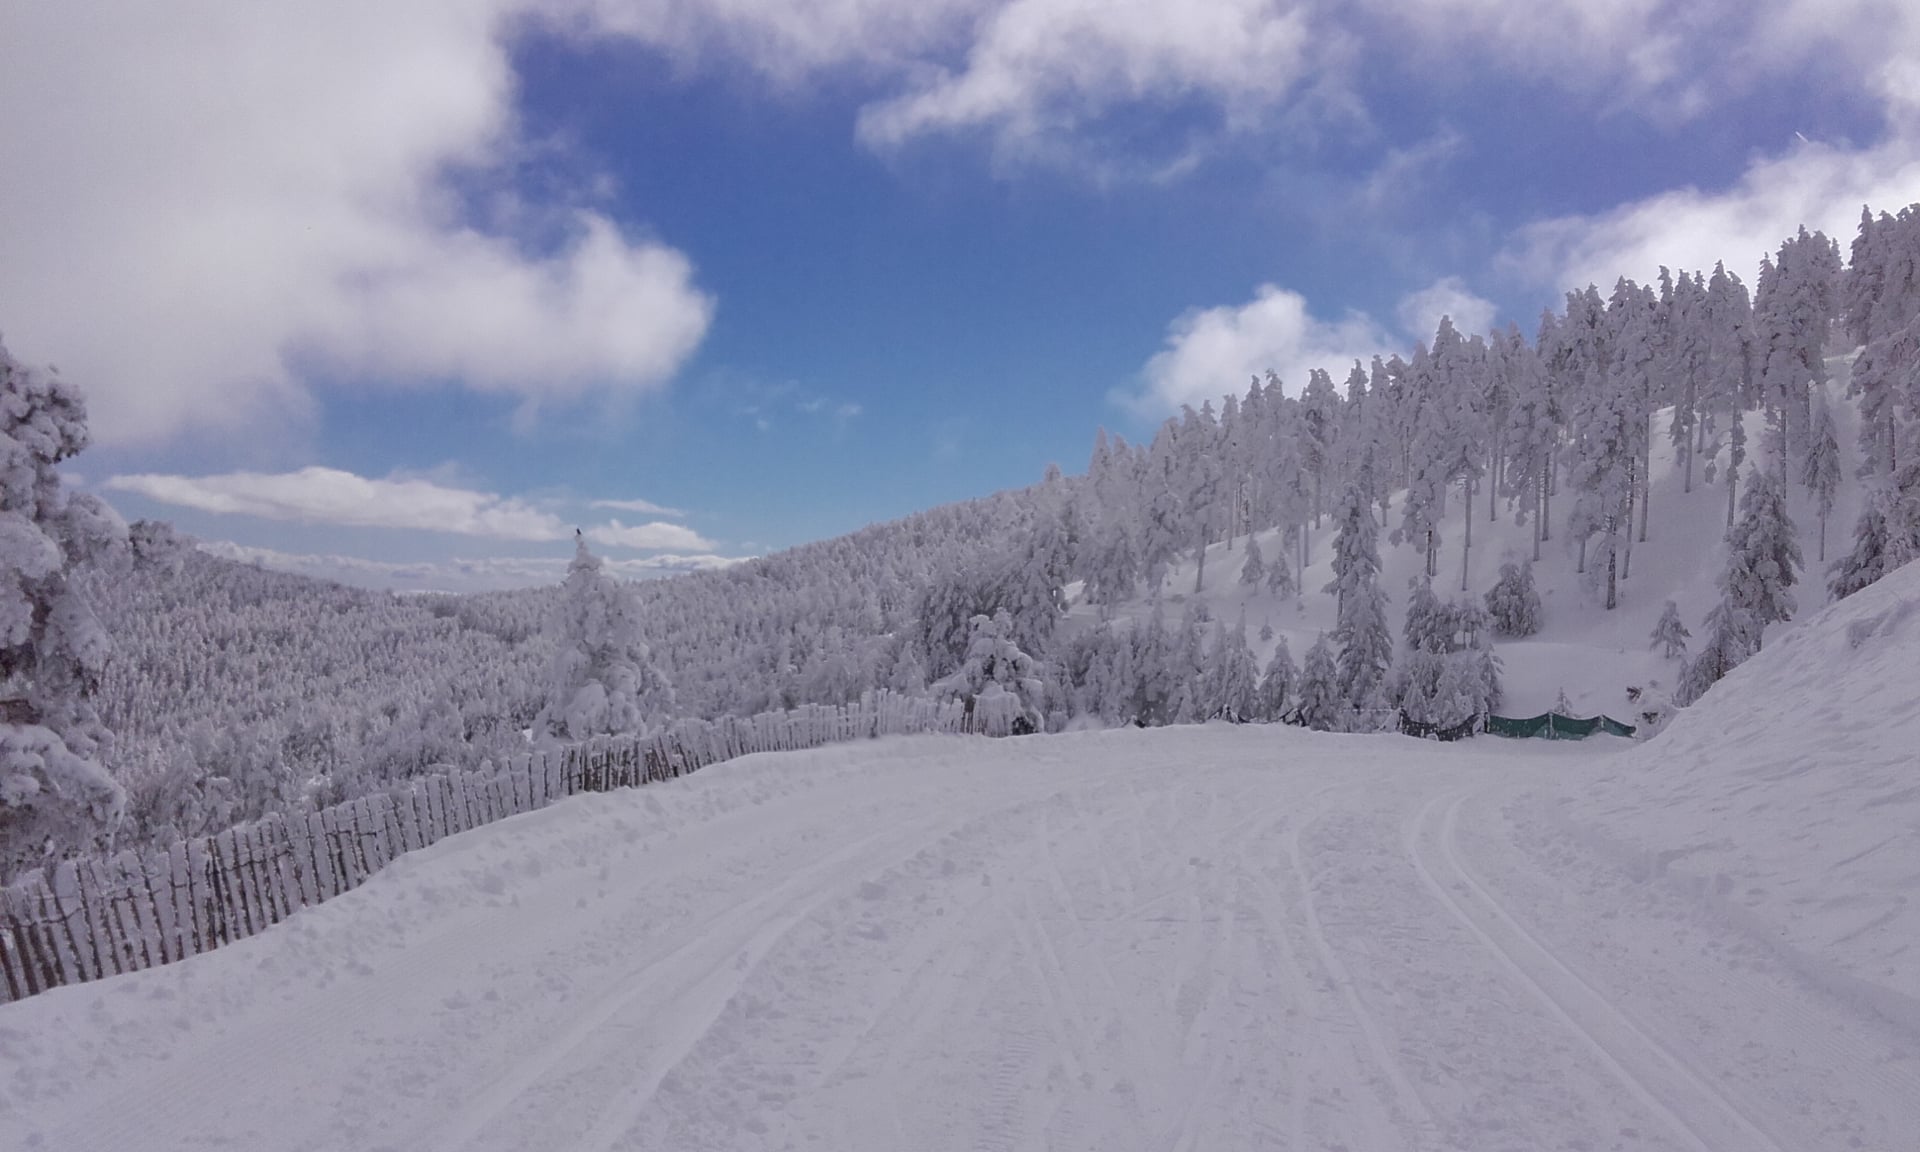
(94, 917)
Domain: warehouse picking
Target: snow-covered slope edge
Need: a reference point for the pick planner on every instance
(1790, 794)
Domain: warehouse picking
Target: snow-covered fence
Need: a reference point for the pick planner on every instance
(94, 917)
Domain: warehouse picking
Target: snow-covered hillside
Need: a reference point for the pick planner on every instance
(1583, 650)
(1192, 937)
(1791, 792)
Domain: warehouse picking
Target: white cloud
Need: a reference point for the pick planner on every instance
(1817, 185)
(196, 202)
(1869, 46)
(1211, 352)
(1635, 46)
(1038, 67)
(643, 507)
(1420, 311)
(1402, 175)
(412, 503)
(455, 575)
(788, 40)
(654, 536)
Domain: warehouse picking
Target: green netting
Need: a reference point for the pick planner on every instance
(1554, 726)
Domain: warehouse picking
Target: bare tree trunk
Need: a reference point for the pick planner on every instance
(1626, 572)
(1539, 523)
(1546, 502)
(1686, 445)
(1612, 555)
(1300, 585)
(1200, 573)
(1466, 549)
(1646, 482)
(1493, 477)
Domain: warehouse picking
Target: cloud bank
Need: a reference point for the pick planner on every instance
(342, 499)
(485, 574)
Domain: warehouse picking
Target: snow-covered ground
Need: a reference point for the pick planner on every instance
(1181, 938)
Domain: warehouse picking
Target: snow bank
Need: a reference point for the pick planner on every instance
(1790, 794)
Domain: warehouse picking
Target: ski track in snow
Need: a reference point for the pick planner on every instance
(1172, 940)
(1701, 1113)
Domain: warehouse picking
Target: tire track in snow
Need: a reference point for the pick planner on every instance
(486, 1106)
(699, 1007)
(150, 1111)
(1702, 1113)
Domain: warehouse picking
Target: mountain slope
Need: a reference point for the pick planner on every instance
(1590, 654)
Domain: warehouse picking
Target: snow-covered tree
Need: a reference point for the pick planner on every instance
(1513, 603)
(1866, 561)
(1232, 677)
(1277, 684)
(1820, 467)
(1323, 706)
(1281, 579)
(1254, 571)
(1532, 437)
(55, 794)
(602, 679)
(1002, 687)
(1447, 673)
(1732, 637)
(1670, 634)
(1886, 536)
(1794, 306)
(1763, 559)
(1366, 643)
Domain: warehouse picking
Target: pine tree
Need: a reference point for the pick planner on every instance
(1820, 467)
(1002, 687)
(1513, 602)
(1763, 558)
(1366, 644)
(1280, 574)
(1232, 677)
(602, 679)
(1277, 685)
(1255, 569)
(1448, 673)
(1732, 636)
(1322, 705)
(1866, 562)
(1426, 627)
(55, 794)
(1670, 635)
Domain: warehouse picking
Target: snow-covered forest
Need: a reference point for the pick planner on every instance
(1376, 542)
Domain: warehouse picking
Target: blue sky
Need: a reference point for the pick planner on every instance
(403, 296)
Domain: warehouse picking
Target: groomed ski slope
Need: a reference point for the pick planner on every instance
(1175, 939)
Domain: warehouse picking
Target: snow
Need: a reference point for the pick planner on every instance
(1201, 937)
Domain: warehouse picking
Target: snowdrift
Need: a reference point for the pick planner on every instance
(1790, 795)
